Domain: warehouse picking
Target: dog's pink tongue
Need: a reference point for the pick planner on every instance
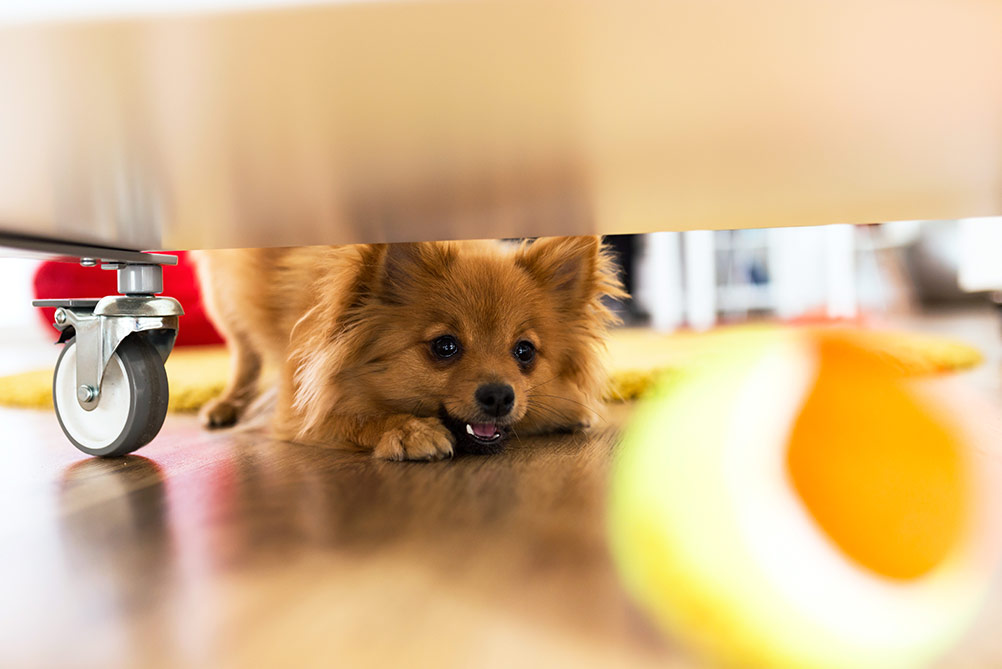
(484, 430)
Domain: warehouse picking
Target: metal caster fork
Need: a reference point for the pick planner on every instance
(110, 386)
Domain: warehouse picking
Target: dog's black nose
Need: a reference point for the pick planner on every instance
(496, 399)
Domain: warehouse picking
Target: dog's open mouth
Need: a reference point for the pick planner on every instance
(478, 438)
(483, 432)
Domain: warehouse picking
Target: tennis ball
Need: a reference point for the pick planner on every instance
(795, 500)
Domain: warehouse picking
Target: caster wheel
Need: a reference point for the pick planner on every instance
(132, 406)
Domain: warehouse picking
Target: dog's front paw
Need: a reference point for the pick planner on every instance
(220, 412)
(416, 439)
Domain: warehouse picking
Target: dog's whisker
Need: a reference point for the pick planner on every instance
(551, 412)
(543, 383)
(515, 432)
(546, 411)
(567, 399)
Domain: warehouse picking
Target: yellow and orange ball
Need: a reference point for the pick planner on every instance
(796, 500)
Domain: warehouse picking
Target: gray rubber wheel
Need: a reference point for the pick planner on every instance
(132, 406)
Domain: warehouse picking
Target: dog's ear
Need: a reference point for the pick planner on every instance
(576, 269)
(404, 264)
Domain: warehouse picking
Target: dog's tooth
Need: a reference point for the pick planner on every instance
(469, 429)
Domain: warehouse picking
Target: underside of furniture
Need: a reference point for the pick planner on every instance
(364, 122)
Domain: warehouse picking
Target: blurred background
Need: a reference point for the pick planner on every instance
(697, 279)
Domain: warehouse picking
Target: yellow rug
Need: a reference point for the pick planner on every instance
(638, 357)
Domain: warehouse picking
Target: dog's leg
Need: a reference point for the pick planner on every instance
(409, 438)
(241, 388)
(392, 437)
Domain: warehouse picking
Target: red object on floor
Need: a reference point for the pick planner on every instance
(55, 280)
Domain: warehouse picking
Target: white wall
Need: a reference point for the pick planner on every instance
(981, 254)
(24, 342)
(16, 312)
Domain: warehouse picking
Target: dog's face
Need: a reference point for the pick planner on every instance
(481, 346)
(495, 341)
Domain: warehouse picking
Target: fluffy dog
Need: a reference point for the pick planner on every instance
(415, 351)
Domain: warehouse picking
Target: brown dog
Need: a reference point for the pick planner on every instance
(415, 350)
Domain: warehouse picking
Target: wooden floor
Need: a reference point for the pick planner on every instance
(229, 549)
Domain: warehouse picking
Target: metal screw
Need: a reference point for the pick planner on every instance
(88, 262)
(86, 393)
(60, 316)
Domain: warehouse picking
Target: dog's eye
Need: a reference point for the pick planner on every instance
(444, 347)
(524, 352)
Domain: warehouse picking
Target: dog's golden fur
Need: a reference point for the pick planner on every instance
(354, 330)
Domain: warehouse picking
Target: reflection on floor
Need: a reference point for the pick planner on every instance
(232, 549)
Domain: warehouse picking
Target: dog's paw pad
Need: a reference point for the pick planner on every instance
(218, 413)
(417, 439)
